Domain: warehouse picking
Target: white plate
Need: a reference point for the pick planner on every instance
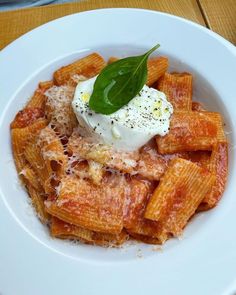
(204, 260)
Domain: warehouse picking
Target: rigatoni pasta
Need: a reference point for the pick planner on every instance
(191, 131)
(37, 100)
(63, 230)
(38, 198)
(156, 68)
(178, 88)
(88, 66)
(21, 137)
(218, 165)
(82, 203)
(178, 195)
(89, 191)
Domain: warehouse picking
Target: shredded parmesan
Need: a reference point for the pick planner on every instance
(59, 110)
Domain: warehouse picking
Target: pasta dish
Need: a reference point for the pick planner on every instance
(105, 178)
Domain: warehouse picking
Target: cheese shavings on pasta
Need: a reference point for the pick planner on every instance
(91, 192)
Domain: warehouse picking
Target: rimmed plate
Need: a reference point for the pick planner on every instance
(203, 261)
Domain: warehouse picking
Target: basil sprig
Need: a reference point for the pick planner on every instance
(119, 82)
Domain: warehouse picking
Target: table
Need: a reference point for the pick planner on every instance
(217, 15)
(11, 5)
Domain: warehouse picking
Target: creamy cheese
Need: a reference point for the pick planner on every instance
(129, 128)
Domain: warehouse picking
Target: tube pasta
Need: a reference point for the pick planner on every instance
(52, 151)
(45, 85)
(93, 193)
(135, 203)
(46, 156)
(30, 178)
(157, 67)
(37, 198)
(178, 89)
(97, 208)
(21, 137)
(178, 195)
(27, 117)
(63, 230)
(219, 166)
(88, 66)
(38, 100)
(33, 155)
(191, 131)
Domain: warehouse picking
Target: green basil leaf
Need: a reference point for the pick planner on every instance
(119, 82)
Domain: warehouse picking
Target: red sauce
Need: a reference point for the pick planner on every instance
(27, 117)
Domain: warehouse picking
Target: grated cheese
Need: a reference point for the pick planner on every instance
(59, 110)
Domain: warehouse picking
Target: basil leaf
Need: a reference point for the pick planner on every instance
(119, 82)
